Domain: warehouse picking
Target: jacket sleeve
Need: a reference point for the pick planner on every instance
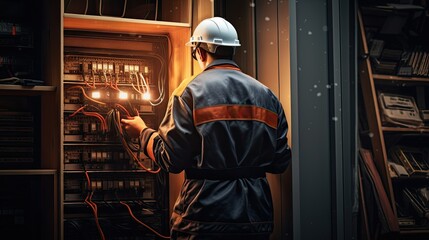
(283, 154)
(177, 142)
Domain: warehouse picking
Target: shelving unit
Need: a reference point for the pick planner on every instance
(30, 66)
(384, 136)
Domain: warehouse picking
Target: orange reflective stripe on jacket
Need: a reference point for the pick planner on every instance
(235, 112)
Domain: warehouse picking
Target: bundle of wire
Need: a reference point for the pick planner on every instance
(142, 86)
(113, 118)
(133, 150)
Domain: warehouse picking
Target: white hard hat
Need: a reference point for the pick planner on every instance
(214, 32)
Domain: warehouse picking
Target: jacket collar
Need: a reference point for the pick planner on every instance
(219, 63)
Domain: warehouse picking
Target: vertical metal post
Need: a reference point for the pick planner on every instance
(323, 118)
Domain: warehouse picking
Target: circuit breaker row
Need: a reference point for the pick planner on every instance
(105, 189)
(86, 129)
(75, 97)
(100, 158)
(102, 70)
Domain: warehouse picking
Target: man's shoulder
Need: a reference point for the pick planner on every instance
(182, 86)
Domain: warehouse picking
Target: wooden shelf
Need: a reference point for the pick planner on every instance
(91, 144)
(423, 232)
(26, 172)
(104, 171)
(382, 77)
(411, 178)
(6, 88)
(405, 130)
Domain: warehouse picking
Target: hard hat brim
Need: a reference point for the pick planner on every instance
(193, 43)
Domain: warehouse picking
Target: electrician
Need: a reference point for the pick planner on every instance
(226, 131)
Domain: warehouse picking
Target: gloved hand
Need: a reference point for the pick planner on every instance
(134, 126)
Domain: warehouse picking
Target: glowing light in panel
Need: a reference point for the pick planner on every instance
(146, 96)
(96, 95)
(123, 95)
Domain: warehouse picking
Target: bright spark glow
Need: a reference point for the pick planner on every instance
(146, 96)
(96, 95)
(123, 95)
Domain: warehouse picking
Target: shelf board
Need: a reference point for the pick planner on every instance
(104, 171)
(383, 77)
(21, 88)
(404, 129)
(411, 178)
(76, 203)
(23, 172)
(414, 231)
(92, 144)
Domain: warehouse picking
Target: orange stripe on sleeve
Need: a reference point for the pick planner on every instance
(235, 112)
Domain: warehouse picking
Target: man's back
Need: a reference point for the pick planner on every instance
(242, 132)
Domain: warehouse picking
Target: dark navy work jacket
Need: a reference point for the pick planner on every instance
(225, 130)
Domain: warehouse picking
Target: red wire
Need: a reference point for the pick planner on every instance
(93, 205)
(92, 114)
(100, 117)
(114, 84)
(142, 223)
(78, 110)
(123, 109)
(93, 77)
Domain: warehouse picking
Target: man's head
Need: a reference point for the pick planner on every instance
(214, 37)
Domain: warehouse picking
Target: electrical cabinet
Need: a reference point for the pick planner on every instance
(120, 59)
(395, 91)
(63, 173)
(102, 165)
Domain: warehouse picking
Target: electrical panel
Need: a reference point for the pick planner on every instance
(111, 190)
